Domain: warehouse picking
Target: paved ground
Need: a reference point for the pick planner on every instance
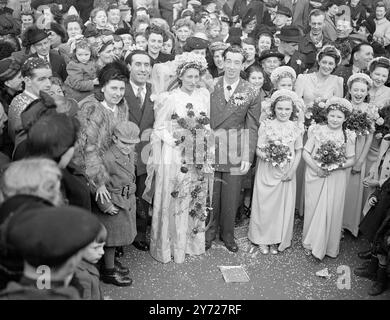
(288, 275)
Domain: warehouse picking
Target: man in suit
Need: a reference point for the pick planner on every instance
(314, 39)
(234, 115)
(141, 112)
(361, 55)
(241, 8)
(300, 12)
(290, 37)
(38, 41)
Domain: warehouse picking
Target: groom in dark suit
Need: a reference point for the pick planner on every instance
(234, 116)
(141, 112)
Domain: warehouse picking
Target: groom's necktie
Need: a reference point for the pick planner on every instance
(229, 89)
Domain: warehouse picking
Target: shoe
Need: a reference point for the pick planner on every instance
(273, 249)
(111, 276)
(365, 255)
(119, 252)
(120, 268)
(380, 284)
(231, 246)
(264, 249)
(368, 271)
(141, 245)
(208, 245)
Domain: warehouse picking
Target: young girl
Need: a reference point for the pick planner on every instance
(272, 219)
(81, 72)
(358, 86)
(325, 186)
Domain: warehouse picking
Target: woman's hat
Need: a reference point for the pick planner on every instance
(290, 34)
(270, 53)
(9, 68)
(127, 131)
(218, 45)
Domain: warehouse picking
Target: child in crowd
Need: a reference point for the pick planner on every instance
(86, 274)
(118, 214)
(81, 72)
(272, 219)
(326, 180)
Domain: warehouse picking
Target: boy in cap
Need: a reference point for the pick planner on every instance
(51, 242)
(86, 274)
(118, 213)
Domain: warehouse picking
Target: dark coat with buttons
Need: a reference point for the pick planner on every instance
(309, 50)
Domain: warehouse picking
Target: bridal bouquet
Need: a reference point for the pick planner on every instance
(277, 153)
(360, 122)
(316, 113)
(330, 155)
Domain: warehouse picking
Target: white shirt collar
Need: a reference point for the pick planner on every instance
(105, 105)
(43, 57)
(30, 94)
(135, 87)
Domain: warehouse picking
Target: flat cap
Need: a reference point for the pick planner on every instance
(127, 131)
(50, 236)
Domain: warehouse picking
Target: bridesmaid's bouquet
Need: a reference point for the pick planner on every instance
(277, 153)
(359, 122)
(330, 155)
(382, 125)
(316, 113)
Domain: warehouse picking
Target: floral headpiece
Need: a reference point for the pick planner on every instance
(359, 76)
(382, 60)
(329, 49)
(281, 72)
(189, 60)
(336, 103)
(284, 93)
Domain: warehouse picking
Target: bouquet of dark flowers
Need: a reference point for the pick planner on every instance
(382, 125)
(316, 113)
(330, 155)
(277, 153)
(197, 172)
(359, 122)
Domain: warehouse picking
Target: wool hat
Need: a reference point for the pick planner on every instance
(50, 236)
(127, 131)
(290, 34)
(8, 69)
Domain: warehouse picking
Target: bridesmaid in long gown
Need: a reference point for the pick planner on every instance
(325, 190)
(319, 84)
(358, 85)
(272, 219)
(172, 225)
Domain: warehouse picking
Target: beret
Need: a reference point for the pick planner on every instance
(50, 236)
(215, 46)
(194, 43)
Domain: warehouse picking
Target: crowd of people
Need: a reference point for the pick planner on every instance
(118, 116)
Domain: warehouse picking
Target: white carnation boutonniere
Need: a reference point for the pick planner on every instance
(238, 99)
(153, 97)
(299, 62)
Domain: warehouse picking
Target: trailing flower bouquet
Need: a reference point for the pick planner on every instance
(277, 153)
(330, 155)
(196, 171)
(316, 113)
